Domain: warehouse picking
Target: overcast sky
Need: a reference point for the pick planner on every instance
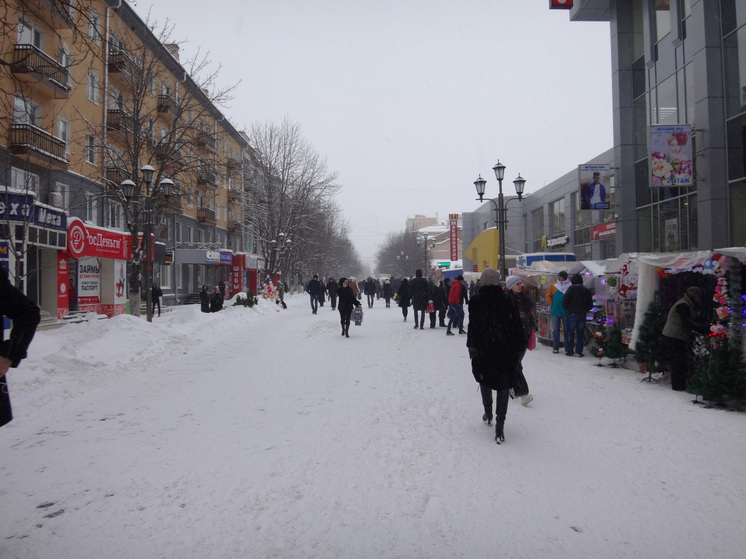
(410, 100)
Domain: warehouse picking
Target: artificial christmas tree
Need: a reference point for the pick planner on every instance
(649, 348)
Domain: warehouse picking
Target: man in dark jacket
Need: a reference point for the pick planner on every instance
(25, 316)
(495, 342)
(576, 301)
(420, 296)
(314, 289)
(369, 288)
(331, 290)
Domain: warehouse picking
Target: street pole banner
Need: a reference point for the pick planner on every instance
(454, 236)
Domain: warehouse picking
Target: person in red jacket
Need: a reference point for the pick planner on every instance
(456, 307)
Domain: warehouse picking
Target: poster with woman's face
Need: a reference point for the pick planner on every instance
(671, 157)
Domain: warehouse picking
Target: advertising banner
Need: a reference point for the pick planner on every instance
(454, 236)
(603, 231)
(89, 281)
(594, 186)
(671, 159)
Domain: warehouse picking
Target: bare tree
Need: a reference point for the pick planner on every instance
(290, 190)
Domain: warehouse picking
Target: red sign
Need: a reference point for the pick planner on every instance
(89, 240)
(454, 237)
(603, 231)
(560, 4)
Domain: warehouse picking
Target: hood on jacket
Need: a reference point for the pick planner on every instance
(577, 279)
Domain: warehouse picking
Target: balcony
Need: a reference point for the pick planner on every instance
(121, 63)
(235, 196)
(233, 165)
(117, 174)
(168, 105)
(205, 215)
(118, 119)
(234, 226)
(206, 140)
(39, 145)
(207, 176)
(35, 63)
(62, 14)
(173, 205)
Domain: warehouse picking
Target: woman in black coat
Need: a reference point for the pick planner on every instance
(204, 299)
(404, 297)
(495, 342)
(346, 300)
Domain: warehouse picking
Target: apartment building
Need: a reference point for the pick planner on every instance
(90, 96)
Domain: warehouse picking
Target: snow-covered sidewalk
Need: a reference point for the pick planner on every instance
(264, 433)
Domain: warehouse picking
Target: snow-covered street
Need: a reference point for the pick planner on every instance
(264, 433)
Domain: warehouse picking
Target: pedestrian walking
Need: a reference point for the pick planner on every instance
(456, 306)
(495, 341)
(388, 291)
(369, 288)
(313, 289)
(420, 296)
(346, 301)
(403, 297)
(331, 290)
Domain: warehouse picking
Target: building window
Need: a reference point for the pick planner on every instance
(66, 61)
(557, 217)
(94, 27)
(91, 150)
(23, 180)
(113, 214)
(29, 34)
(63, 132)
(91, 208)
(93, 86)
(190, 235)
(26, 111)
(661, 18)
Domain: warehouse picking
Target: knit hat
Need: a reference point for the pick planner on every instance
(563, 275)
(490, 276)
(512, 281)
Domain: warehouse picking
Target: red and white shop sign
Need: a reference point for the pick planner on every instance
(603, 231)
(88, 240)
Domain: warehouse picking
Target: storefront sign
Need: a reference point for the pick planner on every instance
(87, 240)
(23, 207)
(560, 4)
(454, 236)
(212, 257)
(558, 242)
(599, 232)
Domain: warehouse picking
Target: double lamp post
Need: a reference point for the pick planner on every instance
(128, 190)
(500, 213)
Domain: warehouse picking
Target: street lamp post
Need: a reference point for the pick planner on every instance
(500, 221)
(128, 190)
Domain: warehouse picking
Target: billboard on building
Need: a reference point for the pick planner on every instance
(671, 157)
(594, 183)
